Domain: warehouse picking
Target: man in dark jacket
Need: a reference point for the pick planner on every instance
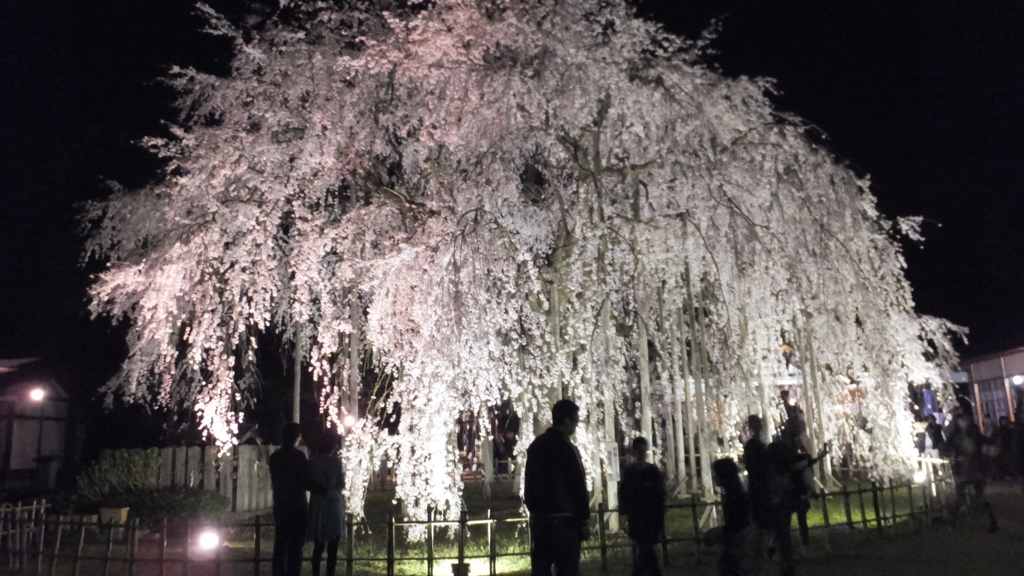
(556, 495)
(755, 460)
(289, 480)
(642, 500)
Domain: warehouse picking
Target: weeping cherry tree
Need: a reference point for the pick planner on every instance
(516, 200)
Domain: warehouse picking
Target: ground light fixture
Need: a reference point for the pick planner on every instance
(208, 540)
(36, 394)
(1018, 379)
(920, 476)
(349, 421)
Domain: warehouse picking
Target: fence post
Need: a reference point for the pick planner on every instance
(7, 529)
(133, 525)
(824, 509)
(940, 490)
(927, 495)
(529, 535)
(696, 526)
(350, 534)
(846, 507)
(878, 509)
(14, 539)
(910, 495)
(391, 544)
(40, 541)
(601, 508)
(664, 546)
(4, 531)
(32, 531)
(219, 560)
(24, 526)
(163, 545)
(78, 549)
(430, 541)
(110, 547)
(863, 510)
(462, 539)
(56, 546)
(492, 544)
(27, 531)
(257, 545)
(188, 546)
(892, 497)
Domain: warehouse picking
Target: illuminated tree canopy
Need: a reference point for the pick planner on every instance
(507, 200)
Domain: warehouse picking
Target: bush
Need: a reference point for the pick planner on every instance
(118, 473)
(154, 504)
(130, 478)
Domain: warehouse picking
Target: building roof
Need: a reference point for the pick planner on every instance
(11, 364)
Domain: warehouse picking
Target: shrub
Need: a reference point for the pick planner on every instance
(131, 478)
(120, 472)
(153, 504)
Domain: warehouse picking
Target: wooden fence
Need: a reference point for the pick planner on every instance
(62, 546)
(19, 524)
(242, 474)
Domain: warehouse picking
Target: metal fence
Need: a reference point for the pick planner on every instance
(66, 545)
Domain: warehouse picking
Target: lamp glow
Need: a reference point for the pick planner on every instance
(208, 540)
(349, 421)
(1018, 379)
(37, 394)
(920, 476)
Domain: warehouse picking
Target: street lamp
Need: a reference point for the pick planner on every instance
(1018, 379)
(37, 394)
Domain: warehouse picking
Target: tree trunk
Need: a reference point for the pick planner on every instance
(610, 446)
(354, 380)
(702, 412)
(297, 377)
(645, 387)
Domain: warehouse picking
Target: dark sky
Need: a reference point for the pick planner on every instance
(926, 96)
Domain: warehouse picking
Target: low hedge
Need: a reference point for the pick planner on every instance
(154, 504)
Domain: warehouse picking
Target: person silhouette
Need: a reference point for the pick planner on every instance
(755, 461)
(289, 480)
(738, 534)
(642, 500)
(326, 510)
(555, 492)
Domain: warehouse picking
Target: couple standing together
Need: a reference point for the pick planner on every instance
(291, 476)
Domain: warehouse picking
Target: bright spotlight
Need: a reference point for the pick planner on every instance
(209, 540)
(37, 394)
(920, 476)
(349, 421)
(1018, 379)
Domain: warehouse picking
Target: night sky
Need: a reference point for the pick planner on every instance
(925, 96)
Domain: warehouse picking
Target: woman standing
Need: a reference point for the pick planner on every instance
(326, 510)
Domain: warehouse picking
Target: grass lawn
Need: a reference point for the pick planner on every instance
(496, 532)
